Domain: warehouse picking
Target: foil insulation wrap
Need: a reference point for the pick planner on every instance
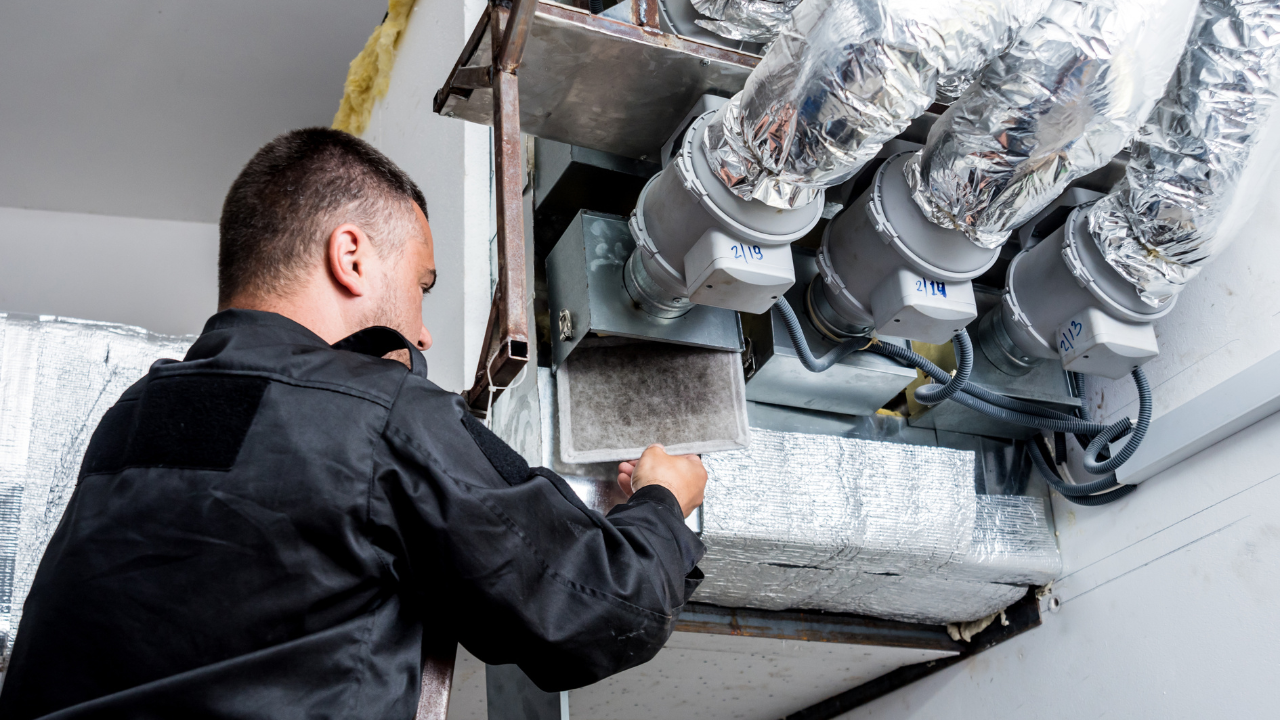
(841, 79)
(1164, 221)
(882, 529)
(1059, 104)
(57, 378)
(750, 20)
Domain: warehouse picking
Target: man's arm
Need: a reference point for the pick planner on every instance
(511, 562)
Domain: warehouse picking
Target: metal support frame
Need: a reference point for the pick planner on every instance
(1021, 617)
(505, 349)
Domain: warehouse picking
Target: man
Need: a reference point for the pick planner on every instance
(278, 525)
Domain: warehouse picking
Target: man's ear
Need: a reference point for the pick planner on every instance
(348, 254)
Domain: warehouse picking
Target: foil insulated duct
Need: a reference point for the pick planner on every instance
(750, 20)
(882, 529)
(841, 79)
(57, 378)
(1057, 105)
(1164, 221)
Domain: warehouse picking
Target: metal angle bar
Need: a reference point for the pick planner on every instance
(468, 51)
(520, 20)
(1021, 616)
(473, 77)
(814, 627)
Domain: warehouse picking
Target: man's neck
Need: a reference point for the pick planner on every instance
(314, 311)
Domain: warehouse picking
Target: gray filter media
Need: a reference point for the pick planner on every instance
(57, 378)
(884, 529)
(617, 400)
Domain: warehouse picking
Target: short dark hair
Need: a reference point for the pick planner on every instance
(289, 197)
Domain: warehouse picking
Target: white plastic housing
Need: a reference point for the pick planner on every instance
(728, 273)
(908, 304)
(1094, 343)
(1065, 302)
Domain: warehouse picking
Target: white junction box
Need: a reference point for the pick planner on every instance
(907, 304)
(725, 272)
(1094, 343)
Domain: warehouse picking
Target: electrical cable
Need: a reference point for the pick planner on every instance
(1091, 464)
(947, 386)
(1099, 492)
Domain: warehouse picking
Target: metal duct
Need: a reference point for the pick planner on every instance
(1163, 222)
(883, 529)
(842, 78)
(750, 20)
(1059, 104)
(57, 378)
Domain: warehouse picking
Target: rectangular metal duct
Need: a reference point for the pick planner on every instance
(57, 378)
(883, 529)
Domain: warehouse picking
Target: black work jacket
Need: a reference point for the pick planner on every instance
(273, 528)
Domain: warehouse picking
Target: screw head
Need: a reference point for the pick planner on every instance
(706, 63)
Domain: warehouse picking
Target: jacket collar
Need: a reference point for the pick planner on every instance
(273, 328)
(237, 318)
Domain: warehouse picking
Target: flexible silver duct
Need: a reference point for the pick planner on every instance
(1163, 222)
(842, 78)
(1059, 104)
(882, 529)
(57, 378)
(750, 20)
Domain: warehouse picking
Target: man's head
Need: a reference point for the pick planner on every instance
(324, 229)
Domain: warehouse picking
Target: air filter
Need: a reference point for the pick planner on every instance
(617, 399)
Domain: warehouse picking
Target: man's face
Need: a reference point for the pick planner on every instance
(405, 283)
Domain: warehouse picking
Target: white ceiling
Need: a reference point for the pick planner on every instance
(149, 108)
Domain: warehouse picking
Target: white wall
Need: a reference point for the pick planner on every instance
(1168, 597)
(158, 274)
(450, 161)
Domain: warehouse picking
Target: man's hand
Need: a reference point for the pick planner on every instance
(683, 475)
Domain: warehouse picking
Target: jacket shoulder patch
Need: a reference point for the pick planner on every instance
(195, 422)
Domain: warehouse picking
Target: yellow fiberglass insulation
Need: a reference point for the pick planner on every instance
(370, 73)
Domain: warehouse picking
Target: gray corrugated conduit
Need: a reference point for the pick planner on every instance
(988, 402)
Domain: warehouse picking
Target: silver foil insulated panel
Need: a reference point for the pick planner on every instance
(57, 378)
(1011, 543)
(841, 79)
(1164, 221)
(883, 529)
(750, 20)
(1060, 103)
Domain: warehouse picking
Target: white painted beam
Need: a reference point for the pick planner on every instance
(1211, 417)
